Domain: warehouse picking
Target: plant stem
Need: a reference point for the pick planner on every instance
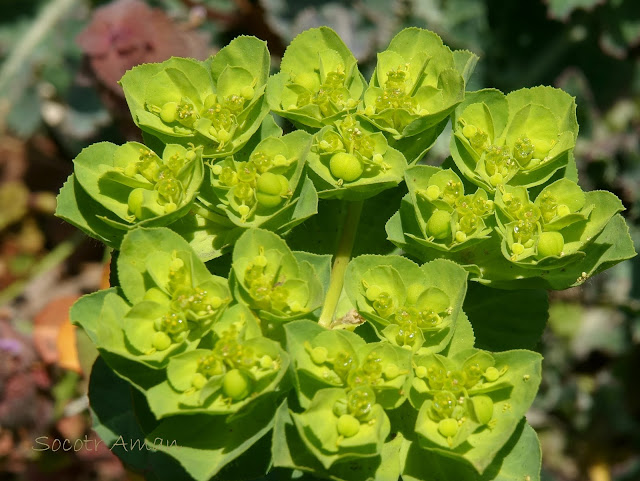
(211, 216)
(340, 261)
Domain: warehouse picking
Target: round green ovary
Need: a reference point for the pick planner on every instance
(373, 292)
(169, 112)
(198, 381)
(236, 385)
(483, 408)
(448, 427)
(348, 425)
(469, 131)
(550, 244)
(345, 166)
(439, 224)
(491, 374)
(270, 188)
(135, 201)
(319, 355)
(161, 341)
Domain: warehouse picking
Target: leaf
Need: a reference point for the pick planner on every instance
(101, 315)
(308, 60)
(204, 444)
(272, 158)
(511, 396)
(378, 166)
(517, 460)
(270, 278)
(463, 336)
(385, 467)
(115, 421)
(487, 264)
(77, 208)
(141, 245)
(317, 426)
(505, 320)
(151, 88)
(406, 283)
(246, 52)
(48, 333)
(415, 85)
(208, 239)
(490, 120)
(307, 375)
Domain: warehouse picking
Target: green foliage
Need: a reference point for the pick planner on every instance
(367, 368)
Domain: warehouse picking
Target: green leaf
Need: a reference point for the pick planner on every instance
(249, 53)
(317, 426)
(510, 396)
(304, 335)
(143, 249)
(487, 264)
(76, 207)
(178, 100)
(316, 58)
(204, 444)
(385, 467)
(136, 185)
(271, 279)
(489, 129)
(196, 380)
(415, 86)
(265, 188)
(437, 288)
(463, 336)
(118, 426)
(505, 320)
(208, 238)
(518, 459)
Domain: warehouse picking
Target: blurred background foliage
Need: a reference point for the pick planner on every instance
(59, 62)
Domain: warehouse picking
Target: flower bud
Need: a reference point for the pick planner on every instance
(491, 374)
(236, 385)
(169, 112)
(161, 341)
(348, 426)
(483, 408)
(345, 166)
(550, 244)
(439, 225)
(448, 427)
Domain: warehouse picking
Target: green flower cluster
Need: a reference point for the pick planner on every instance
(294, 362)
(350, 161)
(251, 192)
(516, 139)
(218, 103)
(528, 223)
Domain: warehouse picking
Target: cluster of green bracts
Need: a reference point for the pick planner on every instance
(524, 221)
(364, 370)
(218, 164)
(250, 345)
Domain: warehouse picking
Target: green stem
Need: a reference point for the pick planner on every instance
(340, 261)
(211, 216)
